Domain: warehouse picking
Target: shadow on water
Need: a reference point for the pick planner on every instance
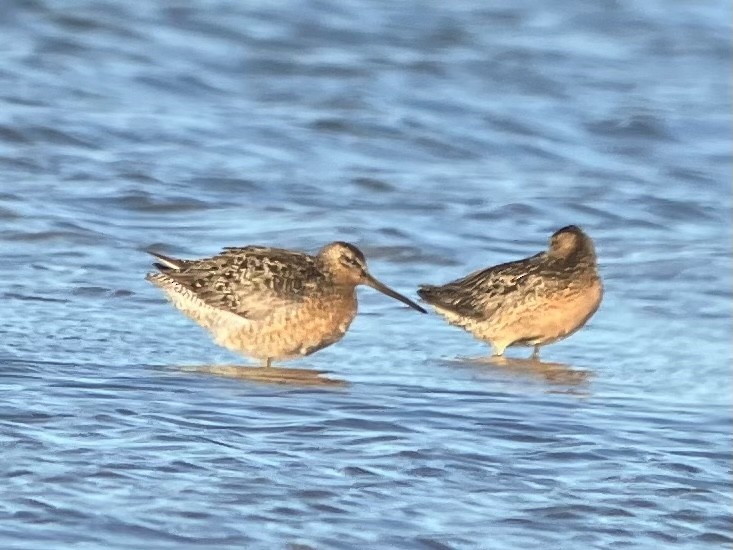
(271, 375)
(551, 373)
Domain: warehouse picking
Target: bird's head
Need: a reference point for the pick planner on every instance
(347, 266)
(571, 242)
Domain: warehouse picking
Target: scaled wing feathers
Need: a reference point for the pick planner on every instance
(482, 293)
(251, 282)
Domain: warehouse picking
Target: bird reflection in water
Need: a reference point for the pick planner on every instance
(553, 373)
(280, 375)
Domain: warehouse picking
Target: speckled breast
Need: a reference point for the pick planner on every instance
(293, 331)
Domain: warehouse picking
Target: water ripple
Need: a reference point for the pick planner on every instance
(440, 139)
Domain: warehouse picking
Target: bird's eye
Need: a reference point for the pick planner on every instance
(350, 261)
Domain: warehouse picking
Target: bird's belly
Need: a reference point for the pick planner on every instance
(552, 319)
(534, 323)
(292, 332)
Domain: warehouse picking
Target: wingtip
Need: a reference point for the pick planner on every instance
(424, 292)
(432, 295)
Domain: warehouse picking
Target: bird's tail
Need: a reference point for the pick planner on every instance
(166, 263)
(428, 293)
(442, 297)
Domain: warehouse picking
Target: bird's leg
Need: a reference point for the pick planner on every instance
(536, 353)
(267, 363)
(497, 356)
(497, 350)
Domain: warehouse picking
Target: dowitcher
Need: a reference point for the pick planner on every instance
(271, 303)
(531, 302)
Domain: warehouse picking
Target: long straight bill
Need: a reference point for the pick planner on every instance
(384, 289)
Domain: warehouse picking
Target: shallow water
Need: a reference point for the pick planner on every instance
(439, 138)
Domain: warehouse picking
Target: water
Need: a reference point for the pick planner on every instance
(439, 138)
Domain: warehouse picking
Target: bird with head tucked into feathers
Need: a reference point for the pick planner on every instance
(531, 302)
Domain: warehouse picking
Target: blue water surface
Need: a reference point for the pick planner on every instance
(440, 137)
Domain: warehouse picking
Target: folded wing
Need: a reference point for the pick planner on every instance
(481, 294)
(251, 282)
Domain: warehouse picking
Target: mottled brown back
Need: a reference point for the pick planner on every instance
(251, 281)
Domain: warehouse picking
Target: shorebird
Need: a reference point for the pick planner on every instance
(531, 302)
(270, 303)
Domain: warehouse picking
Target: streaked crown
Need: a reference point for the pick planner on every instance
(344, 261)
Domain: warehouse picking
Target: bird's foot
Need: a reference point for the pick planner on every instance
(498, 360)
